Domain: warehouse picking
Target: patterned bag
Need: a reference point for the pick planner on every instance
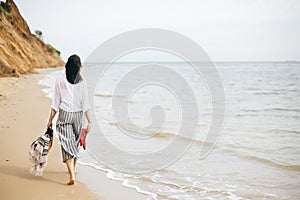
(38, 152)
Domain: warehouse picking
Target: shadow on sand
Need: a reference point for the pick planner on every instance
(23, 173)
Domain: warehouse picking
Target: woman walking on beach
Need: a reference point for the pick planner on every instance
(71, 101)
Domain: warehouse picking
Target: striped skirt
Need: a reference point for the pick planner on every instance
(68, 126)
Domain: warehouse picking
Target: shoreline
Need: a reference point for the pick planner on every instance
(106, 188)
(24, 113)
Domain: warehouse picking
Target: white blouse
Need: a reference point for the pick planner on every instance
(70, 97)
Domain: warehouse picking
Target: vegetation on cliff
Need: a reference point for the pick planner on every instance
(20, 50)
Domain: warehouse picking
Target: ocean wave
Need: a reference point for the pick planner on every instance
(110, 96)
(166, 183)
(270, 162)
(274, 163)
(125, 181)
(278, 115)
(284, 131)
(268, 93)
(162, 135)
(272, 109)
(285, 109)
(103, 95)
(251, 88)
(170, 135)
(178, 187)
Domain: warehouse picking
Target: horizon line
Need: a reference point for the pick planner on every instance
(219, 61)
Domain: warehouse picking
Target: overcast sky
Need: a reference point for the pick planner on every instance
(236, 30)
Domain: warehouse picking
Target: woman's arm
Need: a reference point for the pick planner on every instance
(88, 118)
(52, 115)
(86, 106)
(55, 103)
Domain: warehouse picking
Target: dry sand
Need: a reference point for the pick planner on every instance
(24, 113)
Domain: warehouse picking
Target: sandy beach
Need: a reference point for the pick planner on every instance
(188, 100)
(24, 113)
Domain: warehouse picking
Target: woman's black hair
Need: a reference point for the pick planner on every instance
(73, 69)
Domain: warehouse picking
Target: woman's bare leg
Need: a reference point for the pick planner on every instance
(75, 162)
(70, 165)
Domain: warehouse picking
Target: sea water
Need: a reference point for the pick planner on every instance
(256, 157)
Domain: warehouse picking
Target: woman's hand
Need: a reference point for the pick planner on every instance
(87, 115)
(88, 127)
(52, 114)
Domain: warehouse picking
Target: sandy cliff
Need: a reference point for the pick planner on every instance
(20, 50)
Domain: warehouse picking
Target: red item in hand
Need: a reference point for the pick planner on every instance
(82, 138)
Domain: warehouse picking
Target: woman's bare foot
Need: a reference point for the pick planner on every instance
(70, 165)
(71, 182)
